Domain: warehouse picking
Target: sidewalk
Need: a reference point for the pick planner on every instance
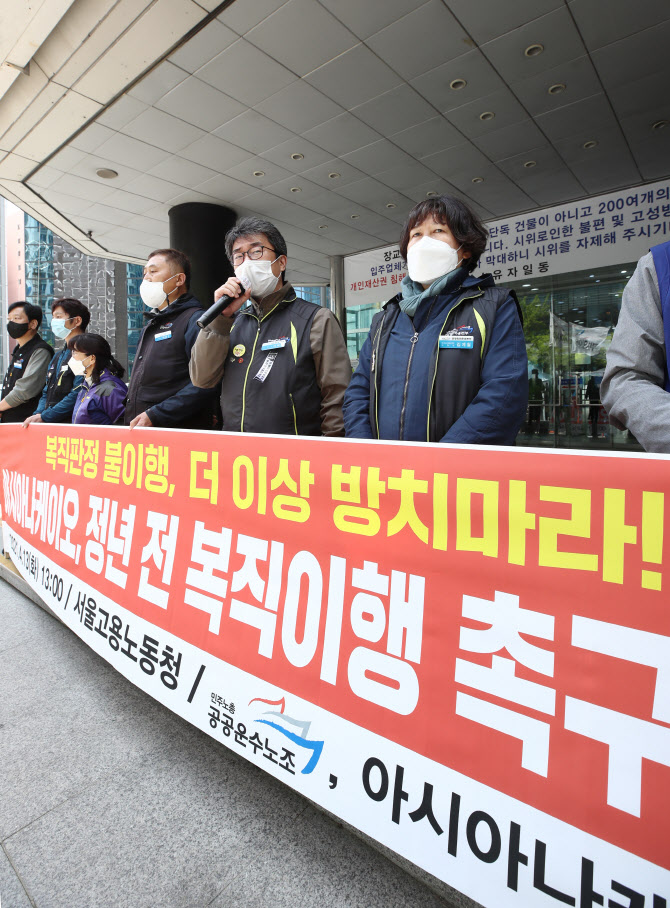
(107, 799)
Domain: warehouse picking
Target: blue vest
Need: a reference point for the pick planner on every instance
(661, 256)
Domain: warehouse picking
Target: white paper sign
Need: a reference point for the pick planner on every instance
(615, 228)
(374, 276)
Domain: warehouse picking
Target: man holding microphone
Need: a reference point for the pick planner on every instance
(282, 360)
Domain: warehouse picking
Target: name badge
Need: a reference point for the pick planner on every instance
(457, 343)
(163, 336)
(274, 344)
(18, 364)
(264, 370)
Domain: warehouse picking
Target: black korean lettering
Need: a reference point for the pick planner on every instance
(370, 764)
(255, 742)
(539, 867)
(660, 902)
(493, 853)
(515, 856)
(587, 895)
(635, 899)
(454, 812)
(399, 794)
(425, 809)
(214, 717)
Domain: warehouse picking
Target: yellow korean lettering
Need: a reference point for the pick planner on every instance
(578, 525)
(487, 543)
(520, 521)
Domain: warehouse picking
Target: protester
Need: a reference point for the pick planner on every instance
(635, 389)
(101, 398)
(69, 317)
(535, 401)
(288, 367)
(592, 394)
(160, 391)
(30, 359)
(445, 360)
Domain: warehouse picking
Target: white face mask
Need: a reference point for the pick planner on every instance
(152, 293)
(429, 259)
(77, 366)
(257, 277)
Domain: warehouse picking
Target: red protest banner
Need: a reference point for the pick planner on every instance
(437, 631)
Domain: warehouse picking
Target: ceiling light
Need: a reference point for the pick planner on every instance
(430, 194)
(530, 164)
(533, 288)
(107, 173)
(354, 216)
(624, 272)
(296, 189)
(478, 179)
(533, 50)
(390, 205)
(334, 175)
(598, 281)
(525, 285)
(297, 156)
(557, 88)
(590, 144)
(259, 173)
(660, 124)
(591, 275)
(323, 226)
(457, 84)
(487, 115)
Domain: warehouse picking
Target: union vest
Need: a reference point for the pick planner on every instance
(269, 381)
(60, 378)
(17, 369)
(161, 364)
(455, 377)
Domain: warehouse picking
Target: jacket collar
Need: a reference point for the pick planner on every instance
(283, 295)
(186, 301)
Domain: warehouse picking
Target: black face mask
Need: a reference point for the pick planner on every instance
(17, 329)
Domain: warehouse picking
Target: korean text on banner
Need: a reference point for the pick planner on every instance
(463, 652)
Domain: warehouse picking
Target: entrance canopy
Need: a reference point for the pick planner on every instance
(330, 117)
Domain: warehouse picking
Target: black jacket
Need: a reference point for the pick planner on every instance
(17, 369)
(160, 382)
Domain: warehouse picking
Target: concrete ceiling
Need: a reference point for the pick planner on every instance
(330, 117)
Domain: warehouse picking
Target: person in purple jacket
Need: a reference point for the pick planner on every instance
(101, 400)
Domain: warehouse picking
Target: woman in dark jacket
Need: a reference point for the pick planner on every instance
(101, 400)
(445, 360)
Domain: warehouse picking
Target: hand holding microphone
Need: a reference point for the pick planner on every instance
(229, 297)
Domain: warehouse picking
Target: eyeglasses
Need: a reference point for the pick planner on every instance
(255, 253)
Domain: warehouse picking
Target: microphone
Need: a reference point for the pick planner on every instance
(214, 310)
(218, 307)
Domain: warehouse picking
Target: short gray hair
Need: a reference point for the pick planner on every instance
(249, 227)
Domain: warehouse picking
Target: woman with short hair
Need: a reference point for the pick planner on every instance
(445, 360)
(101, 400)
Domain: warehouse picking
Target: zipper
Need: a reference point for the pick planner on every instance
(432, 384)
(375, 351)
(251, 360)
(295, 418)
(413, 341)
